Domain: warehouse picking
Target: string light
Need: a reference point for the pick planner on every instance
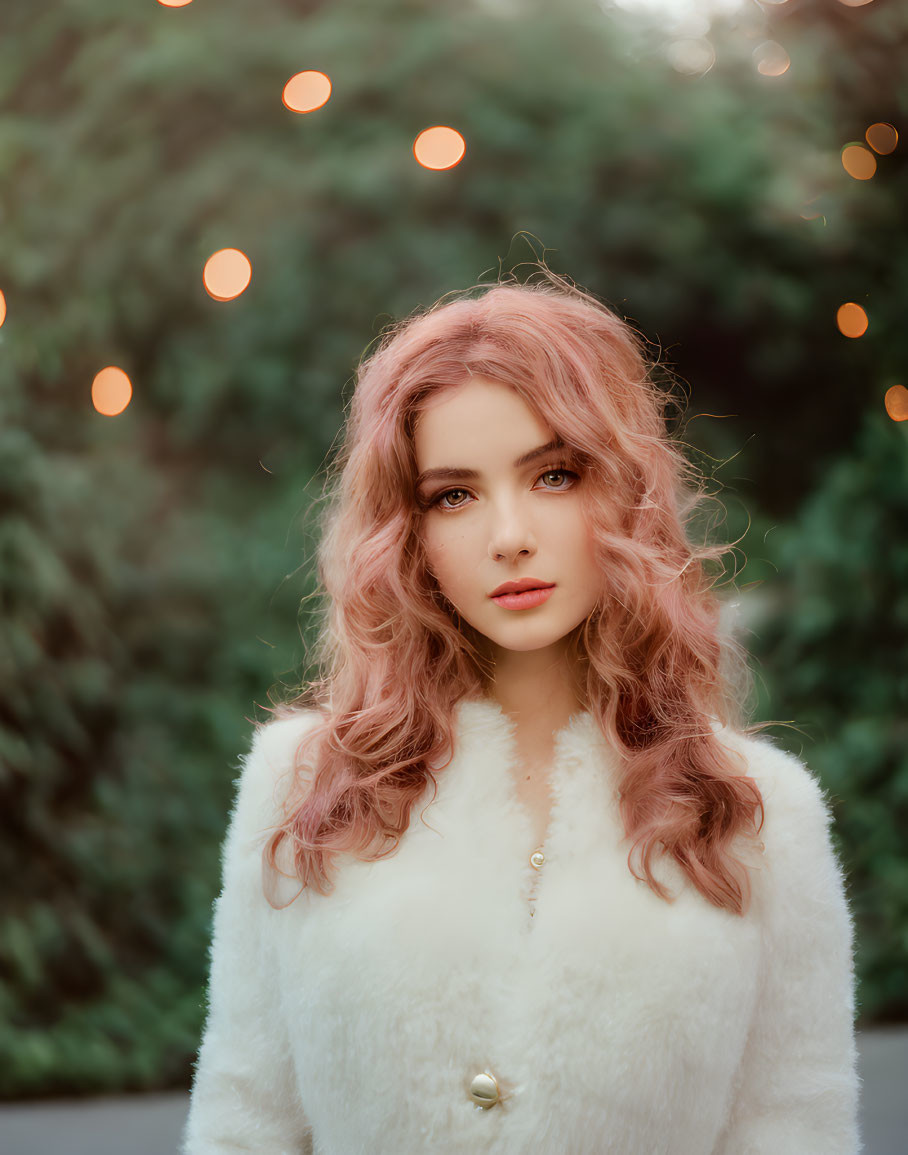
(306, 91)
(771, 59)
(851, 320)
(439, 147)
(111, 391)
(858, 162)
(691, 55)
(882, 138)
(227, 273)
(896, 402)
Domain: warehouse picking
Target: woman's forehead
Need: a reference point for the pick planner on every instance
(474, 413)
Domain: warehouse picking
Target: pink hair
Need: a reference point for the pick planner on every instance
(395, 658)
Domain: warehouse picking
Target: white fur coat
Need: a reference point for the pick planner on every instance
(613, 1022)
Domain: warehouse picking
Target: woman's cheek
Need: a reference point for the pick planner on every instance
(438, 559)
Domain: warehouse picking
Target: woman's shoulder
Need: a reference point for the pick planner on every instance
(269, 770)
(776, 771)
(274, 743)
(796, 810)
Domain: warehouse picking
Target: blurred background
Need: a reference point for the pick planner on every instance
(207, 213)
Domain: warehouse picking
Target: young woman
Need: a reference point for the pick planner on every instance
(513, 875)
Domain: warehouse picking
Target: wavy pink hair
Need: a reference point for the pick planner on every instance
(395, 658)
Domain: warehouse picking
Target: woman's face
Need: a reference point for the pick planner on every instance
(504, 521)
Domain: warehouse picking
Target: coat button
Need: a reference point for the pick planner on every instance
(537, 858)
(484, 1090)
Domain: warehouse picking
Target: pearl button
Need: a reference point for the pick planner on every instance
(537, 858)
(484, 1090)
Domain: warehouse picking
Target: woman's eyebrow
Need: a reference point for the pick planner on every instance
(454, 473)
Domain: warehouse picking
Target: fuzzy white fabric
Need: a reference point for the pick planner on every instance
(614, 1022)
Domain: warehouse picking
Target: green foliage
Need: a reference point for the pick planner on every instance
(151, 565)
(129, 657)
(833, 651)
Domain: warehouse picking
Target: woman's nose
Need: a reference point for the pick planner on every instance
(510, 532)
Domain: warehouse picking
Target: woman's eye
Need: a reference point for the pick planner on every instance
(442, 500)
(557, 473)
(447, 493)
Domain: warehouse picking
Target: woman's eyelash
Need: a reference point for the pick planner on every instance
(561, 468)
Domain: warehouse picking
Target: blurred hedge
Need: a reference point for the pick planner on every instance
(833, 651)
(151, 565)
(130, 660)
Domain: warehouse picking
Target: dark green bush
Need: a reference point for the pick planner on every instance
(833, 649)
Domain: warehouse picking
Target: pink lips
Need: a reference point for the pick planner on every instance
(524, 600)
(520, 586)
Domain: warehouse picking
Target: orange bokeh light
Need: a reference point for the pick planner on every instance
(851, 320)
(858, 162)
(227, 273)
(896, 402)
(439, 147)
(771, 59)
(174, 3)
(2, 308)
(111, 391)
(882, 138)
(306, 91)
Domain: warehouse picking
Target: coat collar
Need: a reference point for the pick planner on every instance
(583, 777)
(485, 717)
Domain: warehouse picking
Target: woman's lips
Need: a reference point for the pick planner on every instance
(525, 600)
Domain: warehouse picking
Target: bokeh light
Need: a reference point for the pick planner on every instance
(851, 320)
(691, 55)
(306, 91)
(2, 308)
(882, 138)
(896, 402)
(688, 23)
(858, 162)
(771, 58)
(439, 147)
(811, 213)
(227, 273)
(174, 3)
(855, 3)
(111, 391)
